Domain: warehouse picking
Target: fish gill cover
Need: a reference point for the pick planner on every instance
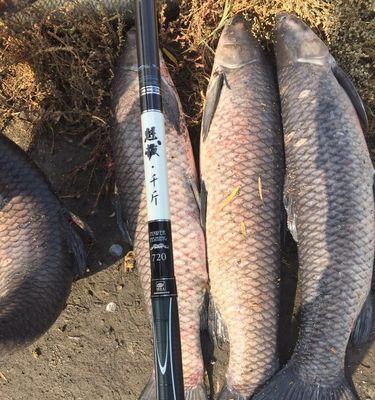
(56, 73)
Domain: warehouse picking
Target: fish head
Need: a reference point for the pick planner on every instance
(236, 46)
(297, 43)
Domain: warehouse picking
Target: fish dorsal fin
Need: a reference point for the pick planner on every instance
(212, 100)
(352, 93)
(290, 210)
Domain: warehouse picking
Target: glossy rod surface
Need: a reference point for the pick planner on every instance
(167, 343)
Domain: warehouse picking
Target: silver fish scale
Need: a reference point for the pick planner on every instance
(188, 238)
(243, 150)
(330, 180)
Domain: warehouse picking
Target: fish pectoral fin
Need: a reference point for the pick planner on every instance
(290, 211)
(81, 224)
(149, 390)
(196, 194)
(216, 325)
(212, 100)
(364, 323)
(229, 393)
(191, 393)
(74, 243)
(352, 93)
(283, 224)
(203, 204)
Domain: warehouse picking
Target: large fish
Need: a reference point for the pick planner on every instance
(188, 237)
(242, 179)
(331, 211)
(36, 237)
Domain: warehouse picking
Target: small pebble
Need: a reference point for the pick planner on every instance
(36, 352)
(116, 250)
(111, 307)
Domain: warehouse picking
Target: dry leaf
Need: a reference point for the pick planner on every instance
(230, 197)
(2, 376)
(170, 56)
(243, 229)
(129, 261)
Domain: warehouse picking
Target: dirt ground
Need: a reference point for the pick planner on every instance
(92, 353)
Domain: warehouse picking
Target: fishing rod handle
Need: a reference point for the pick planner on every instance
(167, 350)
(165, 320)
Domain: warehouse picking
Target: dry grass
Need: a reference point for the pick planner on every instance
(348, 26)
(56, 74)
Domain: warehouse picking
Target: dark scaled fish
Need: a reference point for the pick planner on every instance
(329, 194)
(188, 238)
(36, 239)
(242, 172)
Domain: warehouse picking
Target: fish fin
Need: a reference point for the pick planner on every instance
(228, 393)
(289, 208)
(203, 204)
(204, 313)
(121, 224)
(84, 226)
(196, 194)
(283, 225)
(363, 326)
(74, 243)
(287, 385)
(212, 100)
(171, 106)
(216, 325)
(352, 93)
(196, 393)
(149, 392)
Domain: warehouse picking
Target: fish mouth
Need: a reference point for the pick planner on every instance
(238, 19)
(284, 17)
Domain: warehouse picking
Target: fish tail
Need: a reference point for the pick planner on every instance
(195, 393)
(216, 325)
(363, 327)
(228, 393)
(149, 392)
(287, 385)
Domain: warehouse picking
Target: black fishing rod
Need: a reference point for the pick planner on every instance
(166, 328)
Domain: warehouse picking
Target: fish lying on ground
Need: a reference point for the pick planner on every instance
(36, 269)
(188, 237)
(330, 201)
(242, 178)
